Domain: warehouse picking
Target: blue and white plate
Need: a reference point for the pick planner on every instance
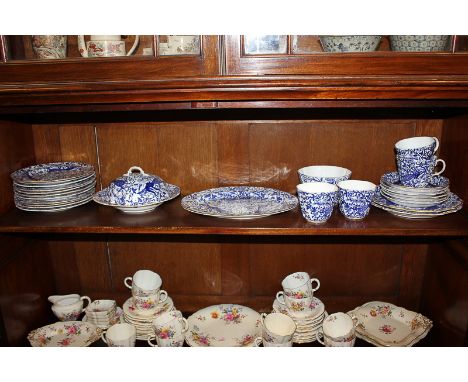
(51, 173)
(453, 204)
(239, 202)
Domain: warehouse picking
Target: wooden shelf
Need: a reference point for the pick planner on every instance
(171, 218)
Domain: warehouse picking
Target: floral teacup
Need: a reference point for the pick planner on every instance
(146, 289)
(169, 329)
(120, 335)
(338, 330)
(278, 330)
(299, 285)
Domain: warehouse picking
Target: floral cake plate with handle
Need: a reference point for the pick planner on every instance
(385, 324)
(65, 334)
(224, 325)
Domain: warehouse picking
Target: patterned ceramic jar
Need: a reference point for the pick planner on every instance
(418, 172)
(355, 198)
(49, 46)
(420, 43)
(169, 329)
(349, 43)
(317, 200)
(278, 330)
(106, 48)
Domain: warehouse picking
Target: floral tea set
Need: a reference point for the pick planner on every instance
(297, 317)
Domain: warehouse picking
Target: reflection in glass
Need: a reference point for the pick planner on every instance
(265, 44)
(303, 44)
(170, 45)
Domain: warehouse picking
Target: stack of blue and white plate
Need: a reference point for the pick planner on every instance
(416, 202)
(53, 187)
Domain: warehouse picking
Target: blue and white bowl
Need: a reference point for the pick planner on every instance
(316, 200)
(349, 43)
(420, 43)
(327, 174)
(136, 192)
(355, 198)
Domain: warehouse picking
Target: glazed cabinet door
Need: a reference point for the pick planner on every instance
(51, 58)
(345, 55)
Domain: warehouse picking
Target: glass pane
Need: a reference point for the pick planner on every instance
(461, 43)
(50, 47)
(420, 43)
(176, 45)
(265, 44)
(302, 44)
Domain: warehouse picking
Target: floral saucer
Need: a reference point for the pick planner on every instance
(131, 311)
(316, 309)
(385, 324)
(224, 325)
(67, 333)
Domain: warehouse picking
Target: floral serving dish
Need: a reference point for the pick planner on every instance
(224, 325)
(385, 324)
(65, 334)
(136, 192)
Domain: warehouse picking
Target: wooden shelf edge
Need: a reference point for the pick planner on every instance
(171, 219)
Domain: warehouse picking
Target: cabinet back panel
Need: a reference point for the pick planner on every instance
(204, 154)
(200, 155)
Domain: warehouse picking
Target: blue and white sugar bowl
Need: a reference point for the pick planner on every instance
(136, 192)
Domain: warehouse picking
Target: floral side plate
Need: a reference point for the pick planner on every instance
(239, 202)
(385, 324)
(65, 334)
(224, 325)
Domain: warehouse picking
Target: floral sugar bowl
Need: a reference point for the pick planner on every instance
(136, 192)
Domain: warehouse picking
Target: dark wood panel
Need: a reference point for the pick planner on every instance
(278, 150)
(343, 269)
(454, 151)
(189, 268)
(181, 153)
(25, 282)
(445, 292)
(17, 149)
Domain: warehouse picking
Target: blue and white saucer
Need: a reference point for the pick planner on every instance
(453, 204)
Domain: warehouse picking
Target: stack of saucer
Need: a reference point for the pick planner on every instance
(308, 322)
(416, 202)
(103, 313)
(142, 319)
(53, 186)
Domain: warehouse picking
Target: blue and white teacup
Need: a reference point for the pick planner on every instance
(327, 174)
(418, 172)
(355, 198)
(317, 200)
(417, 147)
